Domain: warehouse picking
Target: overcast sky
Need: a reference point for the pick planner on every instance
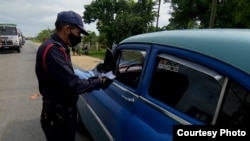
(32, 16)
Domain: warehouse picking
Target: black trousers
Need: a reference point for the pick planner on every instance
(56, 129)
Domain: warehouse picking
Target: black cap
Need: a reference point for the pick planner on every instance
(72, 17)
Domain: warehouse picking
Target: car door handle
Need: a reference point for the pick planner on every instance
(128, 99)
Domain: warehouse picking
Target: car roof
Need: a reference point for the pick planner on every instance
(231, 46)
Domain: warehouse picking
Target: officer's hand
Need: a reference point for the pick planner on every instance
(105, 82)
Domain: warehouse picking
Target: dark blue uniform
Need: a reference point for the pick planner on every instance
(60, 88)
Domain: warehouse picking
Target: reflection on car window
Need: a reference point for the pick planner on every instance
(130, 64)
(236, 106)
(185, 88)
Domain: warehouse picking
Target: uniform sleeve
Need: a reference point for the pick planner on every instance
(61, 72)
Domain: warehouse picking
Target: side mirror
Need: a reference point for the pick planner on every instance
(100, 68)
(109, 63)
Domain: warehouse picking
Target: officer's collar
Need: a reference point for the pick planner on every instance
(59, 40)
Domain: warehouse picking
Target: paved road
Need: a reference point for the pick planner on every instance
(19, 115)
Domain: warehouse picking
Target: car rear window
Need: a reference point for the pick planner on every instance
(188, 87)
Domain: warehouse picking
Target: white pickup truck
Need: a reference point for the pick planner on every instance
(9, 37)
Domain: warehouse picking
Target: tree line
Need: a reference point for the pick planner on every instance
(119, 19)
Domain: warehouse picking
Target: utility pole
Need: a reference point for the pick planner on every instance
(158, 14)
(213, 13)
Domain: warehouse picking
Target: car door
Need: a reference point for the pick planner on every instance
(114, 105)
(178, 89)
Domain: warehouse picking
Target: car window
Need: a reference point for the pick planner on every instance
(235, 107)
(186, 86)
(130, 64)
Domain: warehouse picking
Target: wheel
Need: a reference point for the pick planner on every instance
(18, 50)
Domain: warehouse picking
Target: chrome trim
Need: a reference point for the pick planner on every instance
(126, 90)
(222, 93)
(98, 119)
(158, 108)
(128, 99)
(165, 112)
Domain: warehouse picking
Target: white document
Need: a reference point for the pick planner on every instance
(109, 75)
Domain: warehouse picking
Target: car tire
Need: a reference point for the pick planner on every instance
(18, 50)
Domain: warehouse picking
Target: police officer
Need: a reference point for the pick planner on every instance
(58, 84)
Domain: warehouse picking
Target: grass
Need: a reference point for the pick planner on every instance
(97, 54)
(36, 41)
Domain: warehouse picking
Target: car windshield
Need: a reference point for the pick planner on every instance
(6, 30)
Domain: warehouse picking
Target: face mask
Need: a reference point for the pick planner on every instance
(74, 40)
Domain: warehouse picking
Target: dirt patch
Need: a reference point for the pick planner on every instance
(85, 62)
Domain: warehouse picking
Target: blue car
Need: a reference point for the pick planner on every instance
(167, 78)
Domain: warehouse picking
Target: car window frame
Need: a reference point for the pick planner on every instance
(132, 46)
(194, 66)
(201, 69)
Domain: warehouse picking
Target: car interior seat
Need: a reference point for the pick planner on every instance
(168, 86)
